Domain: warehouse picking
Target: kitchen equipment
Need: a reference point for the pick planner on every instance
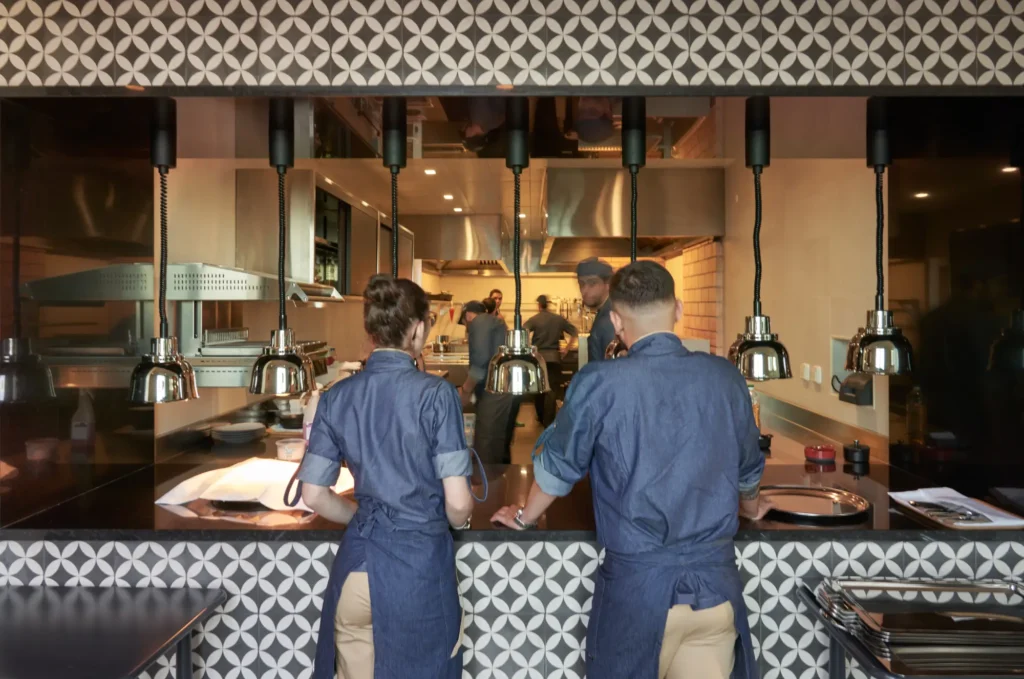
(239, 433)
(291, 450)
(820, 454)
(290, 420)
(818, 505)
(857, 389)
(856, 452)
(442, 344)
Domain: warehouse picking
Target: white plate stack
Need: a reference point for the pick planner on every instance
(239, 434)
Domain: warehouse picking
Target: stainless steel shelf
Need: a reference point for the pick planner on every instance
(194, 282)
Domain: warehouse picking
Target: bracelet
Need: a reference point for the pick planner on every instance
(464, 526)
(518, 520)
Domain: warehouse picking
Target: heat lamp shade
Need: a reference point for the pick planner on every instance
(517, 368)
(24, 378)
(163, 375)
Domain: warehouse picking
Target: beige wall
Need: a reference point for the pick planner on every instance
(818, 270)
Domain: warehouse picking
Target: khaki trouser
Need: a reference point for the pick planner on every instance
(698, 644)
(353, 630)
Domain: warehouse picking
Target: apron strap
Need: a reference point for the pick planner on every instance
(483, 476)
(294, 481)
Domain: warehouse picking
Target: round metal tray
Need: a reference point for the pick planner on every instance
(803, 504)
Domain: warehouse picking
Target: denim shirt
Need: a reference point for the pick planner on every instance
(601, 334)
(669, 440)
(398, 430)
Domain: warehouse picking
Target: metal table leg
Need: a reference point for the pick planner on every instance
(184, 661)
(836, 660)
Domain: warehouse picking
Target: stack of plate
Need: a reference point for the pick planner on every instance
(930, 627)
(240, 433)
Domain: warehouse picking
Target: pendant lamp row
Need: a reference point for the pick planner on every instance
(283, 369)
(879, 348)
(518, 367)
(394, 136)
(24, 378)
(163, 375)
(757, 352)
(634, 156)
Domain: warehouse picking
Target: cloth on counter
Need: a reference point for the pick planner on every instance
(948, 496)
(253, 480)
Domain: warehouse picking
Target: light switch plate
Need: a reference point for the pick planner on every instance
(817, 374)
(805, 372)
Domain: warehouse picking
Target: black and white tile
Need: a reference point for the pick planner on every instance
(477, 45)
(526, 605)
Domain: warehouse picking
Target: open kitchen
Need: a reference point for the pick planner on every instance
(155, 410)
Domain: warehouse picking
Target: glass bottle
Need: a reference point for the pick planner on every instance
(917, 417)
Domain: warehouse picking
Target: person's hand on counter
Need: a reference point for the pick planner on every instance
(755, 508)
(524, 517)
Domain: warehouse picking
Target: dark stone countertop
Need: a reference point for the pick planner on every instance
(125, 509)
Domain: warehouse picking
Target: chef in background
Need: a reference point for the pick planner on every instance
(668, 439)
(593, 275)
(546, 330)
(391, 609)
(496, 295)
(495, 413)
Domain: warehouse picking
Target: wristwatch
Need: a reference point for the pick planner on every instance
(464, 526)
(518, 520)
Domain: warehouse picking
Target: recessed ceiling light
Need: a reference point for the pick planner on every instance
(1009, 168)
(922, 194)
(365, 204)
(329, 181)
(430, 171)
(522, 215)
(449, 196)
(458, 209)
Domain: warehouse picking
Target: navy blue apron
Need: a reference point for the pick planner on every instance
(624, 639)
(414, 596)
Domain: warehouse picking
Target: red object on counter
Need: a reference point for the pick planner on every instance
(822, 453)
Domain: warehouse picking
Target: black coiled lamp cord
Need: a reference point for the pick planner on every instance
(879, 239)
(283, 318)
(518, 319)
(757, 240)
(162, 295)
(394, 221)
(633, 170)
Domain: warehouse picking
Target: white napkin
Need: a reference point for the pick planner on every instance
(253, 480)
(998, 517)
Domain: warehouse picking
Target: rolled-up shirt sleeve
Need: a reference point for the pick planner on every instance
(322, 462)
(568, 445)
(451, 454)
(748, 435)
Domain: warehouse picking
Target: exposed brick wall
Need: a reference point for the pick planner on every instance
(703, 293)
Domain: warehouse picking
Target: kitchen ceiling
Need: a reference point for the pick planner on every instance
(478, 186)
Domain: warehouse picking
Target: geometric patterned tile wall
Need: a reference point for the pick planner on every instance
(474, 45)
(526, 604)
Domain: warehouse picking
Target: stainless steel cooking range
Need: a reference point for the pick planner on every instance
(220, 357)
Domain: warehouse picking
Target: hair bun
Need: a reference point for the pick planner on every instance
(383, 291)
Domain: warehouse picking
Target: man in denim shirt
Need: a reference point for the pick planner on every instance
(669, 441)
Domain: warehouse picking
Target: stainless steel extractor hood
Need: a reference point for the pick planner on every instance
(467, 244)
(588, 210)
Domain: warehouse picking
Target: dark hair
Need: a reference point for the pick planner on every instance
(641, 284)
(391, 307)
(495, 290)
(490, 306)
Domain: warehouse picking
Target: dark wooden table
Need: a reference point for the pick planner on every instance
(98, 632)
